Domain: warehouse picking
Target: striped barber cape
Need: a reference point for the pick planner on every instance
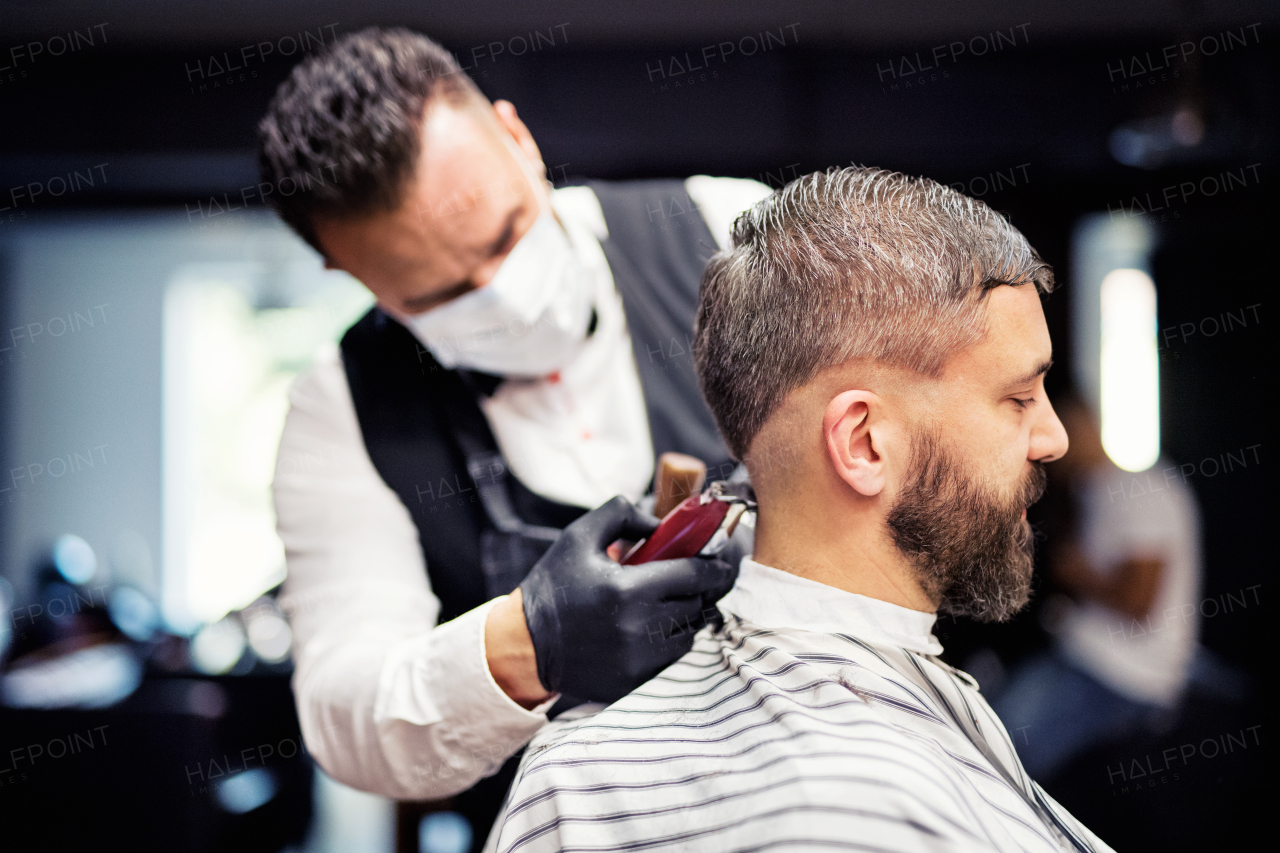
(814, 719)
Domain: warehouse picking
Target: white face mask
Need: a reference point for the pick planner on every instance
(529, 320)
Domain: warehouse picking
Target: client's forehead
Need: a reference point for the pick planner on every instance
(1015, 348)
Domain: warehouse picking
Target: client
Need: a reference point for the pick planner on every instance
(873, 347)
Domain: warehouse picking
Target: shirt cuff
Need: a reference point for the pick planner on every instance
(493, 694)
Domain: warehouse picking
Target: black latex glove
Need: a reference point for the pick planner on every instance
(601, 629)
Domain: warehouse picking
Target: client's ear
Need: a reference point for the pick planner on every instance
(850, 429)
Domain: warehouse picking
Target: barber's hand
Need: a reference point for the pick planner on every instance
(601, 629)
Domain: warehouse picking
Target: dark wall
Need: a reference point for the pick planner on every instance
(1039, 111)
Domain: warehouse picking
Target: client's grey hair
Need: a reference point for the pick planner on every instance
(847, 264)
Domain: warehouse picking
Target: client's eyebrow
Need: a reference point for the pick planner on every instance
(1041, 370)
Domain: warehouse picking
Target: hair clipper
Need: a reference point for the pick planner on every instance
(699, 525)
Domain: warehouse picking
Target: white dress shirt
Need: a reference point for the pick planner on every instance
(388, 701)
(813, 719)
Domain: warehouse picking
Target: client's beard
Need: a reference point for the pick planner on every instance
(972, 550)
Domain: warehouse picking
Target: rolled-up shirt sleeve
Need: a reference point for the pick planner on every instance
(389, 701)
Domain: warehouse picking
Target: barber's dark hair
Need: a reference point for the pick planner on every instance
(342, 134)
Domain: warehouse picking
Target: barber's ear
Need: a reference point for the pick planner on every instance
(506, 113)
(850, 430)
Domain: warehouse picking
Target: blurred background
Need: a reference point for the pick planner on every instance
(153, 313)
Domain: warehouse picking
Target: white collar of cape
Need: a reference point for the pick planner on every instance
(770, 598)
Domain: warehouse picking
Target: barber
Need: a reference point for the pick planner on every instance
(526, 360)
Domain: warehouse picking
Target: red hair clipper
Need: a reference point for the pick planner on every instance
(701, 525)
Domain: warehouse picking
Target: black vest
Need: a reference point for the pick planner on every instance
(480, 528)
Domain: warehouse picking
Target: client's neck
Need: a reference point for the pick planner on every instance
(843, 545)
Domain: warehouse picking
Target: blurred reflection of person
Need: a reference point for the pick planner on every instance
(1130, 559)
